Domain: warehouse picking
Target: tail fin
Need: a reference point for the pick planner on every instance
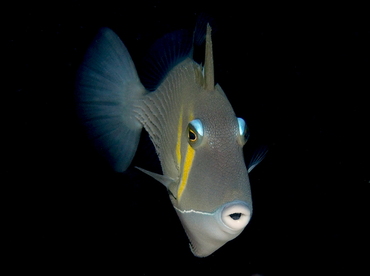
(107, 88)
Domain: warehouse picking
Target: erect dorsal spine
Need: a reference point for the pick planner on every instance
(208, 63)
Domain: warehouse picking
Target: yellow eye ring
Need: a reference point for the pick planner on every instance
(195, 133)
(192, 135)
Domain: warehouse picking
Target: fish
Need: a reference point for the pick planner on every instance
(197, 136)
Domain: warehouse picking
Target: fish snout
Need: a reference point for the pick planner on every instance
(208, 231)
(236, 215)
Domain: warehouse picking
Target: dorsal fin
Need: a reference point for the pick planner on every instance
(175, 47)
(164, 54)
(208, 62)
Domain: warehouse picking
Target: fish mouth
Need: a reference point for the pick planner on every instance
(236, 215)
(207, 232)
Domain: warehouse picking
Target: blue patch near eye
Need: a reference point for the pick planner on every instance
(242, 126)
(198, 126)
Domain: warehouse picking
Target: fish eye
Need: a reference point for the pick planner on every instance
(243, 129)
(195, 132)
(192, 135)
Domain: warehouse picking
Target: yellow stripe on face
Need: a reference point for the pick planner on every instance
(178, 144)
(189, 156)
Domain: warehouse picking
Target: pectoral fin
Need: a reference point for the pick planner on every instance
(257, 157)
(165, 180)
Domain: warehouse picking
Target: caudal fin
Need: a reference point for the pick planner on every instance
(107, 88)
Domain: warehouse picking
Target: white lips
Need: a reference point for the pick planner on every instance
(209, 231)
(236, 215)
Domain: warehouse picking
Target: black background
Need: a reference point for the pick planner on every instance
(299, 75)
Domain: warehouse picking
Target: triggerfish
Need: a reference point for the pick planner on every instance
(196, 134)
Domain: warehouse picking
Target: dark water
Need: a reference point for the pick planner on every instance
(298, 75)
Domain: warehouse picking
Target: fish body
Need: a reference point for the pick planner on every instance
(196, 134)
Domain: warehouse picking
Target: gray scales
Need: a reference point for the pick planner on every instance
(196, 134)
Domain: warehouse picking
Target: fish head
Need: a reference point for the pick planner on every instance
(213, 197)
